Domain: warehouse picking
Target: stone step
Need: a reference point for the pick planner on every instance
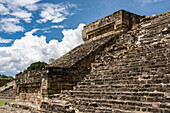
(152, 26)
(155, 62)
(83, 108)
(7, 97)
(127, 76)
(8, 109)
(129, 109)
(22, 107)
(92, 85)
(90, 109)
(133, 57)
(117, 75)
(145, 97)
(139, 96)
(121, 104)
(7, 86)
(125, 82)
(124, 87)
(91, 105)
(55, 107)
(152, 29)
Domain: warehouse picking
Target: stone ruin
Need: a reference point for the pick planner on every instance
(37, 85)
(123, 67)
(7, 89)
(4, 81)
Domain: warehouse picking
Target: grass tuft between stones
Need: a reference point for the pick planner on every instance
(2, 102)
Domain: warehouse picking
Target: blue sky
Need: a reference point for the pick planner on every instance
(37, 30)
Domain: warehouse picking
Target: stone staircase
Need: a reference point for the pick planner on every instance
(8, 92)
(132, 75)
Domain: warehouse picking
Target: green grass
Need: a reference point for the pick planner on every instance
(2, 102)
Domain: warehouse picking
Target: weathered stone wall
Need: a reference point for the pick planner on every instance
(3, 81)
(64, 79)
(29, 85)
(35, 86)
(119, 21)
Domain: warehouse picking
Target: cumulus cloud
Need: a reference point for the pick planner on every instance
(54, 12)
(32, 48)
(11, 28)
(11, 20)
(32, 7)
(3, 10)
(23, 15)
(10, 25)
(5, 40)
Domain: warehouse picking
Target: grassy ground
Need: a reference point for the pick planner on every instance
(2, 102)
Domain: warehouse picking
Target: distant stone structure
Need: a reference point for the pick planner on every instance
(8, 91)
(4, 81)
(123, 67)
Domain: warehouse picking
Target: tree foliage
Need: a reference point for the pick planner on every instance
(35, 66)
(5, 76)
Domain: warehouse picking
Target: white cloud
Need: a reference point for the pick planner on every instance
(11, 28)
(9, 25)
(32, 48)
(47, 29)
(11, 20)
(5, 40)
(145, 2)
(54, 13)
(24, 10)
(31, 32)
(32, 7)
(60, 26)
(20, 2)
(13, 8)
(3, 9)
(25, 2)
(23, 15)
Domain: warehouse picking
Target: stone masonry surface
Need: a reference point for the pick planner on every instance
(131, 75)
(119, 21)
(122, 72)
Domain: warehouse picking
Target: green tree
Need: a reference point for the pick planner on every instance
(5, 76)
(36, 65)
(10, 77)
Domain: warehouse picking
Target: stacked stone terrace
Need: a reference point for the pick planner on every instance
(71, 68)
(130, 75)
(123, 69)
